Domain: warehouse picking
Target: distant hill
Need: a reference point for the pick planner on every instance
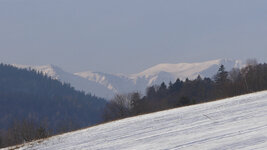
(27, 94)
(106, 85)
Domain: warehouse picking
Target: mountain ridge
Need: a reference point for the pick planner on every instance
(106, 85)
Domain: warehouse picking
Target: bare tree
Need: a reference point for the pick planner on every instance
(251, 62)
(136, 103)
(118, 107)
(234, 74)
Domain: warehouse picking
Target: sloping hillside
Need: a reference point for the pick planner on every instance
(234, 123)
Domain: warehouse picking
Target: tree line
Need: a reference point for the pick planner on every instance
(224, 84)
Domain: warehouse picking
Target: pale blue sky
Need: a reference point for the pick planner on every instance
(128, 36)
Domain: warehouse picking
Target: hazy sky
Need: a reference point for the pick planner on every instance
(128, 36)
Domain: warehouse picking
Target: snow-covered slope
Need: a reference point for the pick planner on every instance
(106, 85)
(234, 123)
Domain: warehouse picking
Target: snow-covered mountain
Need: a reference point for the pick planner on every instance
(106, 85)
(158, 74)
(233, 123)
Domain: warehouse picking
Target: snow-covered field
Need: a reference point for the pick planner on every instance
(234, 123)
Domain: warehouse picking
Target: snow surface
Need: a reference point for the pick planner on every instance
(233, 123)
(106, 85)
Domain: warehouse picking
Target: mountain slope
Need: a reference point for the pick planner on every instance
(106, 85)
(233, 123)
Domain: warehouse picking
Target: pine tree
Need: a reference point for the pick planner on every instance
(221, 82)
(221, 76)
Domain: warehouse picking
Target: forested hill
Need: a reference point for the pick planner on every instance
(27, 94)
